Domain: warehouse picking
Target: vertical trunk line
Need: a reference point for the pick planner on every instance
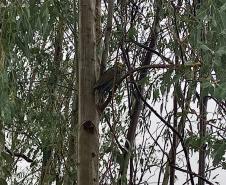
(88, 138)
(174, 144)
(137, 103)
(202, 134)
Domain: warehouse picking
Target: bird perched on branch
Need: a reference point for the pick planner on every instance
(110, 78)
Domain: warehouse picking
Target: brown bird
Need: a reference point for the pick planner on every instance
(110, 78)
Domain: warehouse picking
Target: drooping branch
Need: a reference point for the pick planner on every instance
(171, 128)
(152, 50)
(19, 155)
(137, 105)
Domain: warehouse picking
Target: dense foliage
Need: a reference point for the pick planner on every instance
(169, 108)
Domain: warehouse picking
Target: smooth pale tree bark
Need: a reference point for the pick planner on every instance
(88, 143)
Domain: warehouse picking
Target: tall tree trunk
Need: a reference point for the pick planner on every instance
(88, 143)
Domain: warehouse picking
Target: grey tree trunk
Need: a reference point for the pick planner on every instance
(88, 143)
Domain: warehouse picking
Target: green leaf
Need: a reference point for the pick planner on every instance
(224, 165)
(156, 94)
(119, 159)
(221, 51)
(132, 33)
(2, 137)
(223, 7)
(6, 171)
(3, 181)
(194, 142)
(205, 48)
(143, 81)
(7, 157)
(207, 88)
(220, 91)
(219, 149)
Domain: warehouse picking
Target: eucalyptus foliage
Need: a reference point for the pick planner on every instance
(37, 91)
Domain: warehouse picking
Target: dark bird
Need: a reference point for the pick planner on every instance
(110, 78)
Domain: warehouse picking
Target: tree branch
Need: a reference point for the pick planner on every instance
(19, 155)
(172, 128)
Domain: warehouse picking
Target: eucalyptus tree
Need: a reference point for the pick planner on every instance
(167, 112)
(40, 78)
(174, 53)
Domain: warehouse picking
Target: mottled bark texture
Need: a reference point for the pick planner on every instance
(88, 143)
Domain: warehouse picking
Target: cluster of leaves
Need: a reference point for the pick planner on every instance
(36, 92)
